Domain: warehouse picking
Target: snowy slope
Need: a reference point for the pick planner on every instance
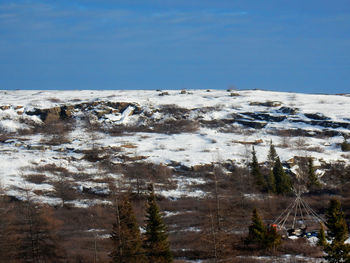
(228, 124)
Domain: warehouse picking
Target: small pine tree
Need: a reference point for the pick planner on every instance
(125, 236)
(312, 177)
(272, 155)
(337, 250)
(257, 230)
(322, 242)
(260, 235)
(255, 171)
(273, 239)
(335, 222)
(271, 183)
(282, 181)
(156, 243)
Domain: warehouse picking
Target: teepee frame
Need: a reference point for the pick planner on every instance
(298, 208)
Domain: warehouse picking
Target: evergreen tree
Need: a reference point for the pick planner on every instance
(260, 235)
(283, 182)
(126, 237)
(257, 230)
(273, 239)
(312, 177)
(321, 237)
(156, 238)
(271, 182)
(337, 250)
(255, 171)
(272, 155)
(335, 222)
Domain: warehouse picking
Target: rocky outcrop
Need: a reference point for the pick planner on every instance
(47, 115)
(264, 116)
(287, 110)
(99, 108)
(266, 103)
(252, 124)
(316, 116)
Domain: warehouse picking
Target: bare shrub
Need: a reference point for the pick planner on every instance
(56, 140)
(4, 137)
(345, 146)
(51, 168)
(36, 178)
(284, 142)
(316, 149)
(54, 100)
(167, 127)
(95, 154)
(299, 246)
(64, 189)
(174, 111)
(300, 143)
(176, 126)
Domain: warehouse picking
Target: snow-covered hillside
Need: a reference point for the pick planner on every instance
(165, 127)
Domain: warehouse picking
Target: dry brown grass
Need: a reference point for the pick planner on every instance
(128, 146)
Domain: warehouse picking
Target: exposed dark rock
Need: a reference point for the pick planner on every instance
(99, 191)
(331, 124)
(47, 115)
(316, 116)
(326, 124)
(252, 124)
(266, 103)
(287, 110)
(263, 116)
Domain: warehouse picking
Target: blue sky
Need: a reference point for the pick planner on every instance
(301, 46)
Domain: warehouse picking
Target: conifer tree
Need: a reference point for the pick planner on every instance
(337, 250)
(156, 243)
(321, 237)
(273, 239)
(283, 182)
(255, 171)
(126, 237)
(271, 182)
(257, 230)
(272, 155)
(335, 222)
(312, 177)
(260, 235)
